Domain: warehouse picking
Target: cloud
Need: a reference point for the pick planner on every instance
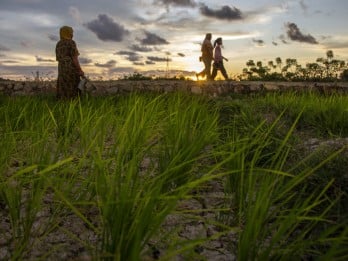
(75, 13)
(53, 37)
(25, 43)
(107, 29)
(295, 34)
(139, 48)
(20, 71)
(108, 64)
(181, 54)
(3, 48)
(131, 56)
(158, 59)
(224, 13)
(304, 6)
(186, 3)
(258, 42)
(150, 62)
(122, 70)
(282, 38)
(40, 59)
(274, 43)
(336, 45)
(83, 60)
(153, 39)
(10, 62)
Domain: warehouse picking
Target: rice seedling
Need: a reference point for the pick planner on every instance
(121, 165)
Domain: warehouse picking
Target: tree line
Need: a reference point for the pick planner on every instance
(325, 69)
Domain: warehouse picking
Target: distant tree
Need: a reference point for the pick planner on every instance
(329, 55)
(314, 71)
(324, 69)
(279, 62)
(251, 70)
(344, 75)
(271, 65)
(333, 67)
(136, 77)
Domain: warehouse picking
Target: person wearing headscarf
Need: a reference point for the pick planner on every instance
(69, 69)
(218, 64)
(207, 57)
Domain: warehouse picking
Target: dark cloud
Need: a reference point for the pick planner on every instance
(274, 43)
(40, 59)
(224, 13)
(258, 42)
(139, 63)
(83, 60)
(150, 62)
(187, 3)
(107, 29)
(153, 39)
(181, 54)
(121, 70)
(295, 34)
(10, 62)
(53, 37)
(158, 59)
(139, 48)
(3, 48)
(131, 56)
(282, 38)
(108, 64)
(25, 43)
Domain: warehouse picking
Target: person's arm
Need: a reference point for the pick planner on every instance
(77, 65)
(74, 55)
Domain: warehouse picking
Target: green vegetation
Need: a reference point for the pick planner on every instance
(123, 166)
(325, 69)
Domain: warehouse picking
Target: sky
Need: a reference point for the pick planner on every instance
(121, 37)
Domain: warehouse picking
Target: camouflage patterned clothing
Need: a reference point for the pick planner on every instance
(68, 76)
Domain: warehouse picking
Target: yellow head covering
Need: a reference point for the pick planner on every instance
(66, 32)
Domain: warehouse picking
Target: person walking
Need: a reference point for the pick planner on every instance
(69, 69)
(218, 64)
(207, 57)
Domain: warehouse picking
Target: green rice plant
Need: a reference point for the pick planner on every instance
(22, 194)
(133, 158)
(186, 132)
(328, 116)
(133, 204)
(276, 220)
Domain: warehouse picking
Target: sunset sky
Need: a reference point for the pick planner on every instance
(120, 37)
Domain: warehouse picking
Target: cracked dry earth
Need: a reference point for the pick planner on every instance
(65, 240)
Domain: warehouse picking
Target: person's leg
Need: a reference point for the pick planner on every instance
(214, 73)
(207, 69)
(223, 71)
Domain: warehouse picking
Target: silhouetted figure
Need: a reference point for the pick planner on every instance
(69, 70)
(207, 57)
(218, 64)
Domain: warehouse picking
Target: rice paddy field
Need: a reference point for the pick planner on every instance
(174, 177)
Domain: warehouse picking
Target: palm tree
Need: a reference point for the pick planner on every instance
(329, 55)
(279, 62)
